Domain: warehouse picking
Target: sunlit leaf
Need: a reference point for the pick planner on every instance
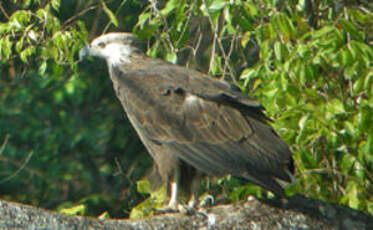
(5, 48)
(171, 57)
(42, 68)
(56, 4)
(74, 210)
(109, 13)
(170, 6)
(351, 28)
(27, 53)
(104, 215)
(216, 5)
(143, 186)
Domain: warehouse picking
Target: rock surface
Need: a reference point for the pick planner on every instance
(299, 213)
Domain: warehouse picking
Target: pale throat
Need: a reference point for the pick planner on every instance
(118, 54)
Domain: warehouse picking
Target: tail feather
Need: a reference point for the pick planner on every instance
(271, 183)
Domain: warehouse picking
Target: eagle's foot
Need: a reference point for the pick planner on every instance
(187, 210)
(183, 209)
(206, 201)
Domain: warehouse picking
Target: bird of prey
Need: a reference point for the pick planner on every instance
(192, 124)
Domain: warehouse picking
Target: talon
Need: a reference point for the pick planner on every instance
(192, 203)
(186, 209)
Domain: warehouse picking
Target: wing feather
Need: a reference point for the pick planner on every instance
(207, 123)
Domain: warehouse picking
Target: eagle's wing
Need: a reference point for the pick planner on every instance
(205, 122)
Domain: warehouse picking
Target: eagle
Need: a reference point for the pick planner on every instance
(192, 124)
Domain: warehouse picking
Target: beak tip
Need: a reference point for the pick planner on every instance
(83, 53)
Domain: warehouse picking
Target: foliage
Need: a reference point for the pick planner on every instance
(308, 62)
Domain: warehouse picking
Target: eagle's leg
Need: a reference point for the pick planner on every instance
(174, 186)
(194, 191)
(194, 197)
(173, 203)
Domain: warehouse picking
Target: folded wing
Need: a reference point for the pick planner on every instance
(208, 124)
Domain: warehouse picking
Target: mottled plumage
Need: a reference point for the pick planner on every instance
(191, 123)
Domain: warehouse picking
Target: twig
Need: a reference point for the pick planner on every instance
(120, 171)
(213, 49)
(116, 13)
(72, 18)
(226, 60)
(221, 47)
(157, 12)
(19, 169)
(4, 143)
(119, 167)
(3, 11)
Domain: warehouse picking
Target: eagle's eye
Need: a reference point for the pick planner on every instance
(101, 44)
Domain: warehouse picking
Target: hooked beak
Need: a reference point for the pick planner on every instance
(83, 53)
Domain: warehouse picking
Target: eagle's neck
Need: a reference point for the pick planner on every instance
(118, 55)
(124, 64)
(136, 61)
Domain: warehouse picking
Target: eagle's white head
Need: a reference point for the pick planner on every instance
(115, 47)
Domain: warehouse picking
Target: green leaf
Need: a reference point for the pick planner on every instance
(156, 200)
(277, 49)
(360, 16)
(350, 128)
(351, 71)
(302, 122)
(358, 85)
(345, 57)
(5, 48)
(365, 117)
(26, 53)
(19, 44)
(171, 57)
(143, 18)
(265, 51)
(282, 24)
(365, 150)
(368, 82)
(335, 107)
(74, 210)
(252, 10)
(170, 6)
(147, 31)
(308, 160)
(323, 31)
(42, 68)
(363, 49)
(110, 14)
(70, 86)
(217, 5)
(248, 73)
(56, 4)
(351, 28)
(216, 67)
(143, 187)
(20, 18)
(4, 28)
(103, 216)
(352, 194)
(41, 13)
(242, 192)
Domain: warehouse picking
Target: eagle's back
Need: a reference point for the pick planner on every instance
(182, 114)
